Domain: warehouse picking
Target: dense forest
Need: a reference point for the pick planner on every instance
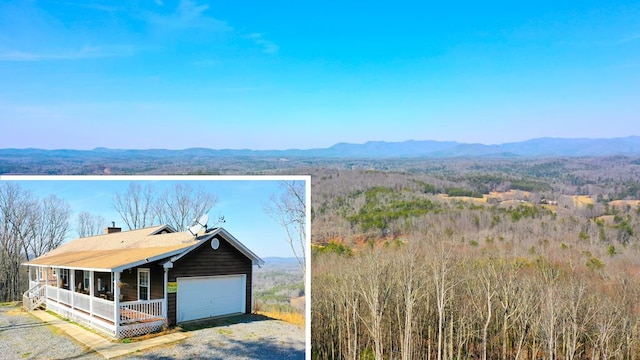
(492, 259)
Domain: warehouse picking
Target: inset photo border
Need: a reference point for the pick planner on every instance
(162, 253)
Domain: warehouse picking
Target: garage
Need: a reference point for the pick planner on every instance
(207, 296)
(212, 278)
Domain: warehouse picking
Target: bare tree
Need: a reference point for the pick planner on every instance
(288, 209)
(444, 280)
(135, 206)
(413, 286)
(51, 227)
(374, 287)
(179, 205)
(90, 225)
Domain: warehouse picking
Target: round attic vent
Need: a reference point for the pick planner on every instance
(215, 243)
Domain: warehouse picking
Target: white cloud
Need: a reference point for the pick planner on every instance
(87, 52)
(206, 63)
(268, 47)
(188, 14)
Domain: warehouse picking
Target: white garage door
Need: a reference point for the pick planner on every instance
(203, 297)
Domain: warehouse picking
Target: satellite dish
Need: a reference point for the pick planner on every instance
(194, 229)
(199, 224)
(203, 220)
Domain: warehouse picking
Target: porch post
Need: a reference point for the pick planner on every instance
(72, 285)
(165, 303)
(253, 298)
(57, 285)
(91, 295)
(30, 276)
(116, 301)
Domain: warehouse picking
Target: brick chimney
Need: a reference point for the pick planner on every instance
(112, 229)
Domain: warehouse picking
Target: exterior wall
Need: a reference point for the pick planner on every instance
(204, 261)
(129, 278)
(48, 276)
(128, 285)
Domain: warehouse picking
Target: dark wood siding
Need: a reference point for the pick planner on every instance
(128, 285)
(129, 278)
(204, 261)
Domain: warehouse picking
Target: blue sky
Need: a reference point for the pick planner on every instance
(292, 74)
(241, 201)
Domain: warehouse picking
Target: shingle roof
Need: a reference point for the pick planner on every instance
(118, 250)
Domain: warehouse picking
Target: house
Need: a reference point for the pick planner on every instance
(129, 283)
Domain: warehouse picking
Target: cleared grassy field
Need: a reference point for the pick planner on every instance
(582, 200)
(623, 203)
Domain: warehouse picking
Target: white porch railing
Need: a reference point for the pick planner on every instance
(103, 308)
(130, 312)
(52, 293)
(136, 311)
(64, 296)
(81, 301)
(136, 317)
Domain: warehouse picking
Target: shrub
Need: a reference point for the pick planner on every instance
(594, 263)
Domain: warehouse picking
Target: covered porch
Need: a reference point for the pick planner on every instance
(94, 299)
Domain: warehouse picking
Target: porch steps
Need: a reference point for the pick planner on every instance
(34, 298)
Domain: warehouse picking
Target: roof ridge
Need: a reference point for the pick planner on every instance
(156, 227)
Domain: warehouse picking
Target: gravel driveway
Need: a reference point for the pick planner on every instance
(241, 337)
(22, 336)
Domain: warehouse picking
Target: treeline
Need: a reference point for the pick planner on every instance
(29, 227)
(431, 298)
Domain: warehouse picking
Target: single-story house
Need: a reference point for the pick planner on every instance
(129, 283)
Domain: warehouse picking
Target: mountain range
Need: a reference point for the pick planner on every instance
(540, 147)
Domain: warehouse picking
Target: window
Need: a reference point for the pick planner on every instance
(143, 284)
(64, 278)
(87, 280)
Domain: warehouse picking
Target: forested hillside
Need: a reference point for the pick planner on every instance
(493, 259)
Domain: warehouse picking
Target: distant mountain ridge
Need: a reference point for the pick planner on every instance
(540, 147)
